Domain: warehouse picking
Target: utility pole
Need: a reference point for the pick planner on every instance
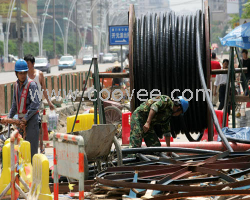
(202, 5)
(107, 27)
(54, 30)
(76, 34)
(92, 23)
(19, 30)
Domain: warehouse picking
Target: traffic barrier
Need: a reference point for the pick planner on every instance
(61, 86)
(76, 82)
(66, 161)
(25, 167)
(126, 127)
(66, 80)
(11, 180)
(12, 92)
(83, 122)
(8, 67)
(6, 98)
(40, 184)
(24, 160)
(8, 89)
(126, 117)
(52, 82)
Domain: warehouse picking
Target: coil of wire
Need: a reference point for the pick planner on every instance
(164, 58)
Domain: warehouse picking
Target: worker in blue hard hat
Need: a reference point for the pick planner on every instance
(26, 104)
(151, 120)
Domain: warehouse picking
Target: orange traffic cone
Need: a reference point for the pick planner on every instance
(45, 128)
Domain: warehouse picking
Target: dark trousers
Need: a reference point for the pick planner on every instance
(244, 85)
(222, 94)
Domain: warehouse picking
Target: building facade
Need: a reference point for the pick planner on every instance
(28, 18)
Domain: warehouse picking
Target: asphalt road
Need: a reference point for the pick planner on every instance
(6, 77)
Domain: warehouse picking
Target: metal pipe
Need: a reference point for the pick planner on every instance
(225, 71)
(168, 149)
(215, 146)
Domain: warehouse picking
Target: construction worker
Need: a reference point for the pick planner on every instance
(26, 104)
(38, 77)
(154, 113)
(116, 69)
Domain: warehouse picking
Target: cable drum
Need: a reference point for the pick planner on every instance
(165, 59)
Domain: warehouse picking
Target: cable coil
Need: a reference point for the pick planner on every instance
(165, 59)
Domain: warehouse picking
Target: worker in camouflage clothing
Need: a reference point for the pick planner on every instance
(154, 116)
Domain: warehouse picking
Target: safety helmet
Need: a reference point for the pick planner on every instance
(184, 104)
(21, 66)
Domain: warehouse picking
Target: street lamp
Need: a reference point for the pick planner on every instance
(57, 25)
(66, 19)
(42, 25)
(6, 45)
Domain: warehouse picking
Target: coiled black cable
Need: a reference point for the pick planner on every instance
(165, 59)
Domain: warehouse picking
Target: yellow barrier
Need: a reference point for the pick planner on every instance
(5, 177)
(83, 122)
(40, 185)
(25, 168)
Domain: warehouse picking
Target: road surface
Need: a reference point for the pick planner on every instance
(6, 77)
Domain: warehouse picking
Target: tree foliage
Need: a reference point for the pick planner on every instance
(245, 15)
(33, 47)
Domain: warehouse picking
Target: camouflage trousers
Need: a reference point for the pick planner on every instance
(136, 133)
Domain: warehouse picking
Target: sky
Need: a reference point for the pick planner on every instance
(185, 5)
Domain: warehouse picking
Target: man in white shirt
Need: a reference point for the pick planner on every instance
(221, 80)
(39, 78)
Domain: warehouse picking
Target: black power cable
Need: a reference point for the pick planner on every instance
(165, 59)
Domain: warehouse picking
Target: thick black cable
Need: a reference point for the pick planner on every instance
(216, 123)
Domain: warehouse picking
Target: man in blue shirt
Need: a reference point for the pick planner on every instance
(26, 104)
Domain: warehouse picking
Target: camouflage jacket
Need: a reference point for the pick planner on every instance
(163, 109)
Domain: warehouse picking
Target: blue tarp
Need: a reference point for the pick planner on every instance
(240, 133)
(239, 37)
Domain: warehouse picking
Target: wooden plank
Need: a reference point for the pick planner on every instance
(131, 67)
(240, 98)
(224, 71)
(208, 65)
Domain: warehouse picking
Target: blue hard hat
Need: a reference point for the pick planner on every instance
(184, 104)
(21, 66)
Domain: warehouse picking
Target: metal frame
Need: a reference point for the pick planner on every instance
(80, 141)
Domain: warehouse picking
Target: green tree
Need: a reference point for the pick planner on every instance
(31, 48)
(12, 47)
(245, 15)
(246, 10)
(235, 19)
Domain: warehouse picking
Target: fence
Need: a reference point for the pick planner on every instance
(66, 81)
(68, 162)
